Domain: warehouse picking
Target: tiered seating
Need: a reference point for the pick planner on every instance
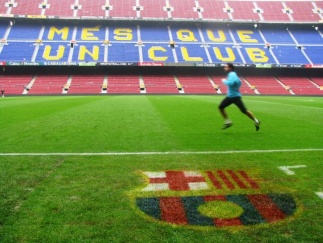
(196, 84)
(244, 89)
(300, 85)
(161, 84)
(86, 84)
(27, 7)
(183, 9)
(314, 54)
(243, 10)
(302, 11)
(213, 9)
(123, 8)
(189, 49)
(317, 80)
(14, 84)
(91, 8)
(153, 9)
(48, 84)
(267, 85)
(156, 84)
(312, 40)
(307, 37)
(3, 8)
(319, 4)
(290, 55)
(3, 29)
(60, 8)
(124, 84)
(273, 11)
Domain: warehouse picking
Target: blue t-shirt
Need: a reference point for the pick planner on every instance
(233, 83)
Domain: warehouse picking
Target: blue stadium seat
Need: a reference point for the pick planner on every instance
(224, 53)
(315, 53)
(277, 36)
(24, 32)
(191, 53)
(205, 44)
(17, 51)
(3, 29)
(154, 34)
(289, 54)
(307, 37)
(159, 52)
(121, 52)
(52, 52)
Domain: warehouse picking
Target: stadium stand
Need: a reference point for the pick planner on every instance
(48, 84)
(92, 8)
(317, 80)
(160, 84)
(302, 11)
(213, 9)
(287, 11)
(183, 9)
(14, 84)
(85, 84)
(29, 7)
(156, 84)
(153, 9)
(244, 10)
(4, 6)
(196, 84)
(266, 85)
(61, 8)
(251, 42)
(245, 89)
(127, 84)
(273, 11)
(319, 6)
(202, 44)
(124, 8)
(300, 85)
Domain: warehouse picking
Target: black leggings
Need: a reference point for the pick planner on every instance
(234, 100)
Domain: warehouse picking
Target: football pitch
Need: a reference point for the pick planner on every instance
(160, 169)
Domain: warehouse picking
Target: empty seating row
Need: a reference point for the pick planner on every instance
(160, 84)
(287, 11)
(154, 84)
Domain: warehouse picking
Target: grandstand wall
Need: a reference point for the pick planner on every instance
(35, 50)
(138, 43)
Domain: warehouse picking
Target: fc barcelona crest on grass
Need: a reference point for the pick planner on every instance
(219, 198)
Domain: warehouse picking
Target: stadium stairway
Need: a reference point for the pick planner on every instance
(266, 85)
(300, 85)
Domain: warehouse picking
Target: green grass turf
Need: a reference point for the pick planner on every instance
(88, 198)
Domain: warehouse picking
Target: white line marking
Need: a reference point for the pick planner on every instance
(272, 102)
(320, 194)
(164, 153)
(287, 170)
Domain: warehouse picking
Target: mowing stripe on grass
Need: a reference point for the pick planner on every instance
(303, 106)
(164, 153)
